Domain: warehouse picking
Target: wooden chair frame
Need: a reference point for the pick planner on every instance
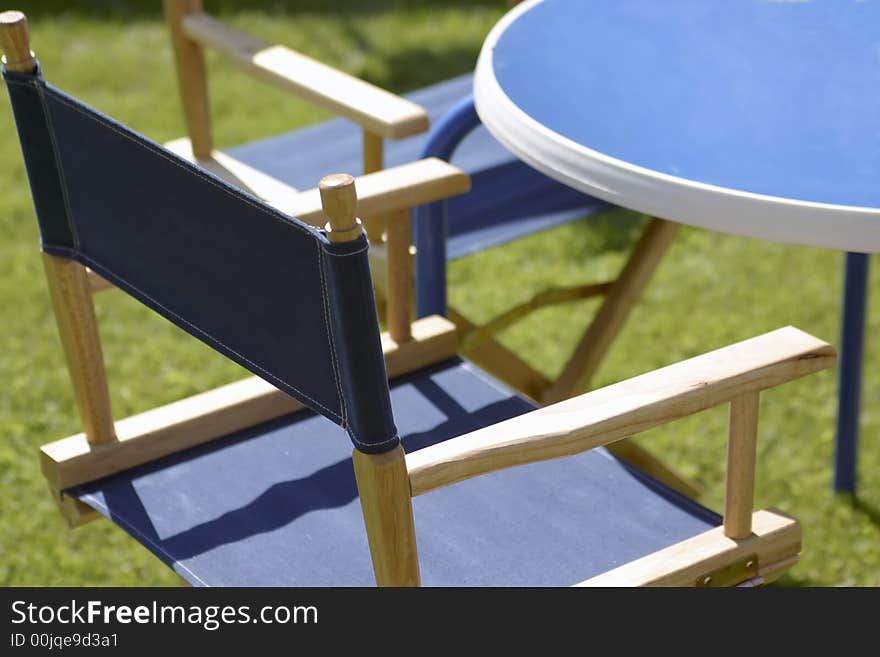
(382, 115)
(750, 547)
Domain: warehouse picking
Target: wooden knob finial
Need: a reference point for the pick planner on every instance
(339, 202)
(16, 42)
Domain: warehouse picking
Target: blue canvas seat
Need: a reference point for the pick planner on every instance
(253, 483)
(277, 504)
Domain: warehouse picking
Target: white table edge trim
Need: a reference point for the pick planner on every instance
(841, 227)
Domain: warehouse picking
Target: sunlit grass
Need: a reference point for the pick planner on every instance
(712, 289)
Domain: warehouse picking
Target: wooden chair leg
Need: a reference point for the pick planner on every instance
(189, 58)
(741, 457)
(374, 160)
(398, 288)
(75, 316)
(383, 486)
(471, 340)
(619, 301)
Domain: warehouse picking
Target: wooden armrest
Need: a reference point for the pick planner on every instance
(382, 192)
(623, 409)
(377, 110)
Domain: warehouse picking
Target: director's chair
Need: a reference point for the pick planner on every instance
(252, 483)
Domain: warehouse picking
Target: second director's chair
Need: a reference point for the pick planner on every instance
(508, 199)
(250, 484)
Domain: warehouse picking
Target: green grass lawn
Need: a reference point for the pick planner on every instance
(712, 289)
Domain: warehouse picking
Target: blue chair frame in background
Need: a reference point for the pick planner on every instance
(505, 202)
(430, 225)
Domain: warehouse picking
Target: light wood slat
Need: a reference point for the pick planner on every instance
(378, 257)
(742, 442)
(623, 409)
(776, 540)
(397, 188)
(399, 291)
(373, 108)
(238, 174)
(374, 160)
(97, 283)
(192, 76)
(78, 328)
(549, 297)
(201, 418)
(74, 512)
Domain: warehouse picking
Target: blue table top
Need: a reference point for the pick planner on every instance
(768, 97)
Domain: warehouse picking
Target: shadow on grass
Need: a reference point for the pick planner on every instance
(413, 68)
(789, 581)
(139, 9)
(869, 511)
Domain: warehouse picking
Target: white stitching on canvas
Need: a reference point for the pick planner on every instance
(329, 328)
(393, 438)
(50, 128)
(343, 255)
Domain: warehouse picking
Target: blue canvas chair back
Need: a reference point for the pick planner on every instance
(268, 291)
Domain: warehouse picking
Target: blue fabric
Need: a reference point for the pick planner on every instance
(43, 174)
(849, 375)
(770, 97)
(266, 290)
(277, 504)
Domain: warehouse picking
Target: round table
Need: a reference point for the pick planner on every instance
(757, 118)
